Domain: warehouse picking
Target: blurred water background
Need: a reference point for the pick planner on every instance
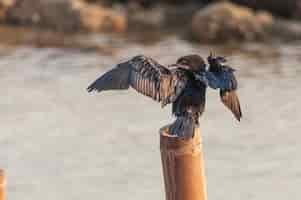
(59, 142)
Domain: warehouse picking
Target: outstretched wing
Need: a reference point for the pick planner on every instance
(116, 78)
(225, 80)
(146, 76)
(228, 91)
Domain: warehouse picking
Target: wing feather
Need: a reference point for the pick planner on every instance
(117, 78)
(146, 76)
(228, 91)
(231, 101)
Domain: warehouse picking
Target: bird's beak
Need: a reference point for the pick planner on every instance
(173, 66)
(186, 67)
(221, 59)
(178, 65)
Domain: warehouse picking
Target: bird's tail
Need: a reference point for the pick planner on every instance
(183, 126)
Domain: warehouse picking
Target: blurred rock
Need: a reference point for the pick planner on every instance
(141, 18)
(167, 17)
(55, 14)
(177, 16)
(4, 7)
(217, 22)
(97, 18)
(286, 30)
(224, 21)
(298, 10)
(284, 8)
(65, 15)
(147, 3)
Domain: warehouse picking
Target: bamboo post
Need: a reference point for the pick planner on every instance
(2, 185)
(183, 166)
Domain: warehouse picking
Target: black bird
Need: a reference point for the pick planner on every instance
(183, 84)
(227, 83)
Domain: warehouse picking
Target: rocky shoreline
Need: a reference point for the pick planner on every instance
(203, 21)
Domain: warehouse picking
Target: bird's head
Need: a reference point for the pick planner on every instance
(194, 63)
(215, 62)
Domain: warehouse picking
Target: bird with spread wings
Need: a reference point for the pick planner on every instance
(183, 84)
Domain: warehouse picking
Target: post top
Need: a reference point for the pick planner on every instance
(2, 178)
(171, 141)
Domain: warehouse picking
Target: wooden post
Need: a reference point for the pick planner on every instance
(183, 166)
(2, 185)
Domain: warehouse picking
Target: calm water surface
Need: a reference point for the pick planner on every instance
(58, 142)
